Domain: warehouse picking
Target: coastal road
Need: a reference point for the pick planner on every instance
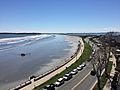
(82, 81)
(47, 77)
(85, 84)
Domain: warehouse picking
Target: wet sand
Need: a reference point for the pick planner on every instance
(47, 77)
(45, 66)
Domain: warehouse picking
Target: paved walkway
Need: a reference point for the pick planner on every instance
(46, 78)
(108, 85)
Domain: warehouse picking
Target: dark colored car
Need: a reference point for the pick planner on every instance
(49, 87)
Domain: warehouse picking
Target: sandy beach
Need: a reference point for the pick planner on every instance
(42, 80)
(73, 42)
(55, 62)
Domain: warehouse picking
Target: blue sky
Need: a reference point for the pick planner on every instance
(59, 15)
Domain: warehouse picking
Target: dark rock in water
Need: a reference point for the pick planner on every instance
(22, 54)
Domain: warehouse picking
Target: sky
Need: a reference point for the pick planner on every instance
(59, 16)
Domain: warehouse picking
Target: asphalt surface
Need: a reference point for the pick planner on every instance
(86, 84)
(82, 80)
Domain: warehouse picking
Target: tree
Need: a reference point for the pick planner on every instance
(97, 61)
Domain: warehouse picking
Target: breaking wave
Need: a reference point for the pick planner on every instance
(6, 43)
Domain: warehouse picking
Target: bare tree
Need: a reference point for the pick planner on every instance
(106, 42)
(101, 60)
(97, 61)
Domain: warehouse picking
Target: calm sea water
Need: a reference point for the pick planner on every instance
(9, 35)
(39, 55)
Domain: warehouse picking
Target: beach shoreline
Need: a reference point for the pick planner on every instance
(73, 43)
(53, 63)
(40, 80)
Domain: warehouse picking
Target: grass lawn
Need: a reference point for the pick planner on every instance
(104, 78)
(86, 54)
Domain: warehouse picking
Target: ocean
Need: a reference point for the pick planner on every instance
(42, 53)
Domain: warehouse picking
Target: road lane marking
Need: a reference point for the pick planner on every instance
(93, 85)
(96, 80)
(80, 81)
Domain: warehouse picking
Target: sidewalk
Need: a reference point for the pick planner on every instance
(108, 86)
(46, 78)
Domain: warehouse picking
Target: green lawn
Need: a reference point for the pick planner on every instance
(104, 78)
(86, 54)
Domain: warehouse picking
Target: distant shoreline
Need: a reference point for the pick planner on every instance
(35, 33)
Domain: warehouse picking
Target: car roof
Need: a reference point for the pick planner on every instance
(60, 79)
(57, 82)
(67, 74)
(72, 72)
(75, 69)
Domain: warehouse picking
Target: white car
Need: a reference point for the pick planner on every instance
(73, 73)
(59, 82)
(83, 65)
(67, 77)
(60, 79)
(75, 70)
(79, 68)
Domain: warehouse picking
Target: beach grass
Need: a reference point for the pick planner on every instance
(85, 56)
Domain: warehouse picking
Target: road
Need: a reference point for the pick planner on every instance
(86, 84)
(83, 80)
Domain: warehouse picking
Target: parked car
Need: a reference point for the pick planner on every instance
(79, 68)
(67, 77)
(75, 71)
(49, 87)
(52, 85)
(46, 87)
(83, 65)
(59, 82)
